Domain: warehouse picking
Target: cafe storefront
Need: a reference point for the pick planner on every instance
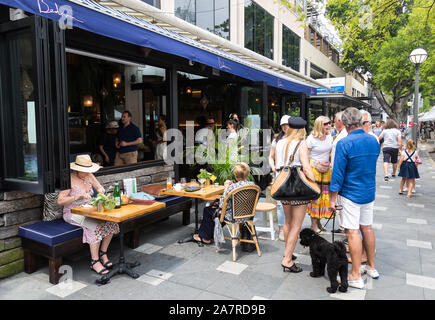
(60, 88)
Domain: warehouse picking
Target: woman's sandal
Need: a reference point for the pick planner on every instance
(294, 268)
(101, 272)
(200, 240)
(106, 265)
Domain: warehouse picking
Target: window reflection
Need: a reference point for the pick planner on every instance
(100, 92)
(210, 15)
(21, 155)
(258, 29)
(290, 48)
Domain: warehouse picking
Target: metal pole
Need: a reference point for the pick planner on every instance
(415, 127)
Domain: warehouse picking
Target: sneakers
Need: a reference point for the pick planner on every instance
(372, 273)
(359, 284)
(386, 178)
(337, 231)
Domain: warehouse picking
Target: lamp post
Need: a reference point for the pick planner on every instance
(417, 57)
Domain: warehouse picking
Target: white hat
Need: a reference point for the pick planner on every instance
(84, 163)
(284, 119)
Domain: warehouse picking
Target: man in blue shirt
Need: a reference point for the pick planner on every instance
(128, 138)
(354, 179)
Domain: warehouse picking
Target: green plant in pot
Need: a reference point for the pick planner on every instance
(102, 202)
(223, 167)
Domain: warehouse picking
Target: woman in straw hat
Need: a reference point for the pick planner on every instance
(95, 232)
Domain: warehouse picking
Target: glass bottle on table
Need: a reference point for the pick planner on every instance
(117, 195)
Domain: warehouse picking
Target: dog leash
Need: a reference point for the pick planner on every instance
(337, 207)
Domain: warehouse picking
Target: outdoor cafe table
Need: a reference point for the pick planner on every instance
(208, 193)
(125, 213)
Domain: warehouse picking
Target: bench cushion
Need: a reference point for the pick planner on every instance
(173, 200)
(50, 232)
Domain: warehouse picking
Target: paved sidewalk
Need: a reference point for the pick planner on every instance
(405, 259)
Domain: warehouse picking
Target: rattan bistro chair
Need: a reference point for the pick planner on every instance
(243, 201)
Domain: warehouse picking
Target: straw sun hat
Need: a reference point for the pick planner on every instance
(84, 163)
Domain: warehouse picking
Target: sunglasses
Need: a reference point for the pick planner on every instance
(327, 123)
(364, 122)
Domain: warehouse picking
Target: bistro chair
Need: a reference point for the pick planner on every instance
(242, 202)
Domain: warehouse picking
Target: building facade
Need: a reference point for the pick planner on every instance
(174, 61)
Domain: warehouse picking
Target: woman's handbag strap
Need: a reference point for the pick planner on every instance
(294, 152)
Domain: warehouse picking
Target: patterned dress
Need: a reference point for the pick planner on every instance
(320, 208)
(93, 230)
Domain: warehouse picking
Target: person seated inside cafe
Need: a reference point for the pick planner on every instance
(96, 233)
(206, 230)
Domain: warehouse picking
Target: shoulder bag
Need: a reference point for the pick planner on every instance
(292, 184)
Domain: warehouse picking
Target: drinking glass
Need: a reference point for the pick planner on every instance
(183, 182)
(201, 181)
(169, 183)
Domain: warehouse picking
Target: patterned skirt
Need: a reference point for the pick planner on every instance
(320, 208)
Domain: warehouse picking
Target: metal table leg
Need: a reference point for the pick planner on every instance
(190, 239)
(122, 266)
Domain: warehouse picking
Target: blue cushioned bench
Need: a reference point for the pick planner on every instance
(57, 239)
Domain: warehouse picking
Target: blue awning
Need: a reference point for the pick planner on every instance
(102, 20)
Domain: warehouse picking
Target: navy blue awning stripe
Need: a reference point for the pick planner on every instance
(99, 19)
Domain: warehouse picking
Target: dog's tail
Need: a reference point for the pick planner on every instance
(340, 249)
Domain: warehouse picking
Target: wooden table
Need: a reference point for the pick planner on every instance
(121, 215)
(209, 193)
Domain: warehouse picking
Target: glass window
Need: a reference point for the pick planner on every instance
(185, 9)
(258, 29)
(100, 90)
(154, 3)
(290, 48)
(22, 160)
(211, 15)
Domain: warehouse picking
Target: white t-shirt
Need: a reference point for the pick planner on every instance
(233, 135)
(320, 150)
(413, 157)
(391, 137)
(341, 135)
(280, 149)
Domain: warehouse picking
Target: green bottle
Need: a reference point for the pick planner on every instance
(117, 195)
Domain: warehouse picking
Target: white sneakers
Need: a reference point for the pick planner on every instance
(370, 272)
(359, 284)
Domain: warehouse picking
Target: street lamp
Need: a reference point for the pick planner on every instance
(417, 57)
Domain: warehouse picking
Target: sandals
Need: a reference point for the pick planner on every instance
(294, 268)
(101, 272)
(200, 240)
(109, 263)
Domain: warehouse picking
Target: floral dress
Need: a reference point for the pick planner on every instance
(93, 230)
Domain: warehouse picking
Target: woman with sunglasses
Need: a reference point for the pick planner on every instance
(319, 144)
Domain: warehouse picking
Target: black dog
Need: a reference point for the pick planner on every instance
(322, 252)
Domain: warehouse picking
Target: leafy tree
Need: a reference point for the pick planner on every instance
(378, 36)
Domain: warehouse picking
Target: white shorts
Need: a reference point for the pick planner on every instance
(353, 214)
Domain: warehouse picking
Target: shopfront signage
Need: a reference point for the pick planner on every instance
(335, 85)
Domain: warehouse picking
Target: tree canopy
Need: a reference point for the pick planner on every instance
(377, 38)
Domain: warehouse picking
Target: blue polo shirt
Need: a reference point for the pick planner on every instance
(128, 134)
(354, 172)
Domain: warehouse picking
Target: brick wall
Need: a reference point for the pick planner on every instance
(19, 208)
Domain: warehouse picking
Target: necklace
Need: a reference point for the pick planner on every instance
(83, 179)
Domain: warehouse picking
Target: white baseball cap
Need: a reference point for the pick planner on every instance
(284, 119)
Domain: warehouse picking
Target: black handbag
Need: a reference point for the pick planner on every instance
(292, 184)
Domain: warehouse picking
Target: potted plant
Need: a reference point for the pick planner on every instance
(102, 202)
(203, 176)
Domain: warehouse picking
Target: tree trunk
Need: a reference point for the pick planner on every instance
(395, 111)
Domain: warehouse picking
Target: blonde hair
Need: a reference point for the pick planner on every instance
(410, 145)
(241, 171)
(318, 126)
(294, 134)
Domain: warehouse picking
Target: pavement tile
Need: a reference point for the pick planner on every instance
(420, 281)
